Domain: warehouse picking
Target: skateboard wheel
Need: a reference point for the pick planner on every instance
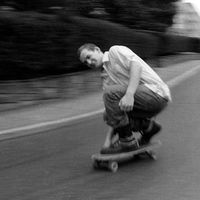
(95, 164)
(113, 166)
(152, 155)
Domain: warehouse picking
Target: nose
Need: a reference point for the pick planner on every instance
(89, 62)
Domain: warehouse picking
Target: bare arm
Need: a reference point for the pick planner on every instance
(127, 102)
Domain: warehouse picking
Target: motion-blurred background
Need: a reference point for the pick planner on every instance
(39, 39)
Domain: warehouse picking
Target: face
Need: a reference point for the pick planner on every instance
(92, 59)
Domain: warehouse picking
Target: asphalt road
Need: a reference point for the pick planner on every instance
(56, 165)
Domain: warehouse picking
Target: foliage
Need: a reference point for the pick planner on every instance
(33, 4)
(153, 15)
(34, 44)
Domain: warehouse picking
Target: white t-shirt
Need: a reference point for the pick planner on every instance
(117, 62)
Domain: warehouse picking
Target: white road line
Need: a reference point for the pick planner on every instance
(178, 79)
(44, 126)
(52, 123)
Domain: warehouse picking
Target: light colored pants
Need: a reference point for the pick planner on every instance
(147, 104)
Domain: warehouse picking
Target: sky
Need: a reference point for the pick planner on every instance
(196, 4)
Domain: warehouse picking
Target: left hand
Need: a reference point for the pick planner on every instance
(127, 102)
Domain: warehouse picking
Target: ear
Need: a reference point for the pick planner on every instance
(97, 49)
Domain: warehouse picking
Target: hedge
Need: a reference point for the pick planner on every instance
(106, 34)
(33, 44)
(37, 44)
(171, 44)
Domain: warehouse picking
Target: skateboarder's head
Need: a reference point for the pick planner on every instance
(91, 55)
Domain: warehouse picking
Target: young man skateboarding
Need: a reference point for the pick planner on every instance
(133, 94)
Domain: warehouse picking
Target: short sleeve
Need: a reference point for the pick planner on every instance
(123, 55)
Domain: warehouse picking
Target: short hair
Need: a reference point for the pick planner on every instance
(88, 46)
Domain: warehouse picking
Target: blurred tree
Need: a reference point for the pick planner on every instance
(154, 15)
(85, 7)
(35, 4)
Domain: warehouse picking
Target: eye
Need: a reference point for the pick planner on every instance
(88, 57)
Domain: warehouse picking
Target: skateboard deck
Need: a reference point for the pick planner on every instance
(110, 161)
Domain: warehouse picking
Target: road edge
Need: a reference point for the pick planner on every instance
(45, 126)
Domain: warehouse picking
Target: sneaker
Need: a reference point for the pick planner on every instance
(120, 147)
(147, 135)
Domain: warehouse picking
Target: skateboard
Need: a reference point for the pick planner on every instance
(110, 161)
